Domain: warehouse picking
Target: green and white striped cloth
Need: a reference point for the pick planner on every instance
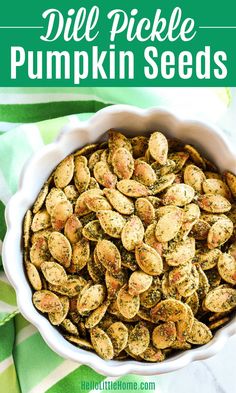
(27, 365)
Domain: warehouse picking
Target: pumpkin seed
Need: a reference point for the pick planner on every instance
(94, 158)
(214, 203)
(195, 156)
(60, 214)
(221, 299)
(103, 175)
(152, 295)
(194, 177)
(54, 273)
(93, 231)
(162, 183)
(82, 173)
(96, 316)
(91, 298)
(169, 225)
(144, 173)
(152, 354)
(132, 233)
(123, 163)
(81, 208)
(208, 259)
(46, 301)
(109, 255)
(178, 195)
(56, 318)
(33, 276)
(148, 259)
(200, 230)
(193, 302)
(151, 240)
(227, 268)
(218, 324)
(132, 188)
(139, 282)
(26, 228)
(71, 288)
(97, 202)
(84, 344)
(117, 140)
(158, 147)
(101, 343)
(200, 333)
(179, 158)
(164, 335)
(64, 172)
(53, 198)
(114, 282)
(181, 253)
(118, 334)
(220, 232)
(41, 198)
(111, 222)
(139, 339)
(216, 186)
(71, 193)
(119, 201)
(41, 220)
(139, 145)
(73, 229)
(169, 310)
(60, 248)
(69, 326)
(85, 150)
(128, 305)
(39, 252)
(80, 255)
(145, 210)
(231, 181)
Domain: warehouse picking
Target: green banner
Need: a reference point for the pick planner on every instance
(118, 43)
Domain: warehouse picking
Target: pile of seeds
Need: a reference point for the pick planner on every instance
(130, 247)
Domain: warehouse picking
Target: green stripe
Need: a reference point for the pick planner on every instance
(7, 336)
(2, 221)
(8, 381)
(34, 361)
(7, 293)
(75, 382)
(20, 323)
(49, 129)
(28, 113)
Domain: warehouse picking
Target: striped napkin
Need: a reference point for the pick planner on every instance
(27, 365)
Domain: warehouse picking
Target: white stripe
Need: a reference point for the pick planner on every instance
(6, 126)
(5, 192)
(56, 375)
(46, 97)
(4, 307)
(6, 363)
(25, 333)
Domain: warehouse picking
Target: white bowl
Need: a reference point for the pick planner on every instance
(131, 120)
